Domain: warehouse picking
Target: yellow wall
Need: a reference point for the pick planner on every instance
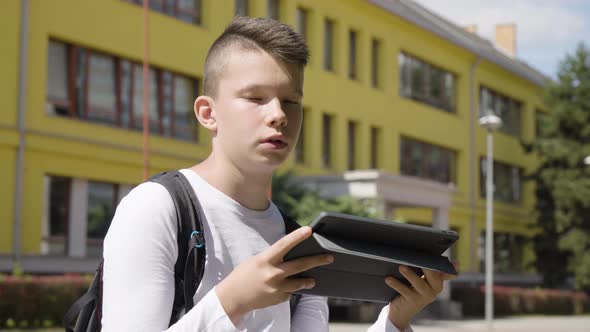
(7, 171)
(75, 148)
(9, 34)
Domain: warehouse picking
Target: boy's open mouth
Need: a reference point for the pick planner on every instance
(276, 142)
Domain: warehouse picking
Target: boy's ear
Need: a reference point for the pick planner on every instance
(205, 113)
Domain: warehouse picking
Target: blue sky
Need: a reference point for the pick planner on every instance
(546, 29)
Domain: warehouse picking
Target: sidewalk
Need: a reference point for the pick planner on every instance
(518, 324)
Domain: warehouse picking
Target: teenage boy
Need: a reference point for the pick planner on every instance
(251, 105)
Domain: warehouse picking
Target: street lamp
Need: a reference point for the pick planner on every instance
(491, 122)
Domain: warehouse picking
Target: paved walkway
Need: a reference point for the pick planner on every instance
(518, 324)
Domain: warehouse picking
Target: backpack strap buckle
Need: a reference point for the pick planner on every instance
(197, 239)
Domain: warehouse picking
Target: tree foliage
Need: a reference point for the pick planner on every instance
(562, 179)
(305, 204)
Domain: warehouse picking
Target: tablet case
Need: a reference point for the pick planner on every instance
(366, 251)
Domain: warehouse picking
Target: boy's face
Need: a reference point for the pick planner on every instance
(257, 110)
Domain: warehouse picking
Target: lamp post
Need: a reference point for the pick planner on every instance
(491, 122)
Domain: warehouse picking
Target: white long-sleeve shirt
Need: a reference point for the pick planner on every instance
(140, 251)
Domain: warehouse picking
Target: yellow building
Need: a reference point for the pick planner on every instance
(393, 95)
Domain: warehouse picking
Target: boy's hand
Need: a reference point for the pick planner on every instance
(261, 281)
(412, 300)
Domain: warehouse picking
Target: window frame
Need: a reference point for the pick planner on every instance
(352, 132)
(100, 241)
(299, 153)
(176, 12)
(409, 65)
(65, 239)
(327, 132)
(514, 110)
(79, 109)
(353, 36)
(376, 46)
(329, 61)
(241, 8)
(416, 158)
(302, 22)
(497, 167)
(375, 141)
(273, 9)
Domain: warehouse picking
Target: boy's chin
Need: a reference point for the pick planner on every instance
(268, 163)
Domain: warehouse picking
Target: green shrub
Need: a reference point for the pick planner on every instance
(38, 301)
(517, 301)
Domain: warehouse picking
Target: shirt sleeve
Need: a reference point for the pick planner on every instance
(140, 251)
(383, 324)
(311, 315)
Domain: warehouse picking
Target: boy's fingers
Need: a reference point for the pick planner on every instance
(446, 276)
(402, 289)
(417, 282)
(305, 263)
(293, 285)
(434, 279)
(278, 250)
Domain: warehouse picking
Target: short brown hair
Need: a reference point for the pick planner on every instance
(253, 34)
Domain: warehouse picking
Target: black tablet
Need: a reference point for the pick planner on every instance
(367, 250)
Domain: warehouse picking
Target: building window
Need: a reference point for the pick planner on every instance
(58, 94)
(185, 10)
(55, 239)
(274, 9)
(375, 139)
(508, 252)
(102, 103)
(126, 82)
(242, 8)
(427, 83)
(302, 17)
(375, 59)
(328, 45)
(427, 161)
(300, 146)
(81, 201)
(102, 201)
(189, 11)
(138, 99)
(352, 54)
(508, 109)
(185, 125)
(352, 145)
(109, 90)
(326, 141)
(507, 181)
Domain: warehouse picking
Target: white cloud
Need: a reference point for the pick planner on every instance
(546, 29)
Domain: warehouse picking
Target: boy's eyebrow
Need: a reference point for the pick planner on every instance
(262, 86)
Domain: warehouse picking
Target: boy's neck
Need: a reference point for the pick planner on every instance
(250, 190)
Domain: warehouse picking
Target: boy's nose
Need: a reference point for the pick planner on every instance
(276, 116)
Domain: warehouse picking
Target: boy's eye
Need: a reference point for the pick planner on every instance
(291, 102)
(254, 99)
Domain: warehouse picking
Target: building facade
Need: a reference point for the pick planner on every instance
(393, 94)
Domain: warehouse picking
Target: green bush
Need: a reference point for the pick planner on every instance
(38, 301)
(517, 301)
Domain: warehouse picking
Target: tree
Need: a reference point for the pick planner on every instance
(562, 179)
(304, 204)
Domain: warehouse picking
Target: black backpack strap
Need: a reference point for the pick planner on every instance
(87, 308)
(290, 226)
(190, 264)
